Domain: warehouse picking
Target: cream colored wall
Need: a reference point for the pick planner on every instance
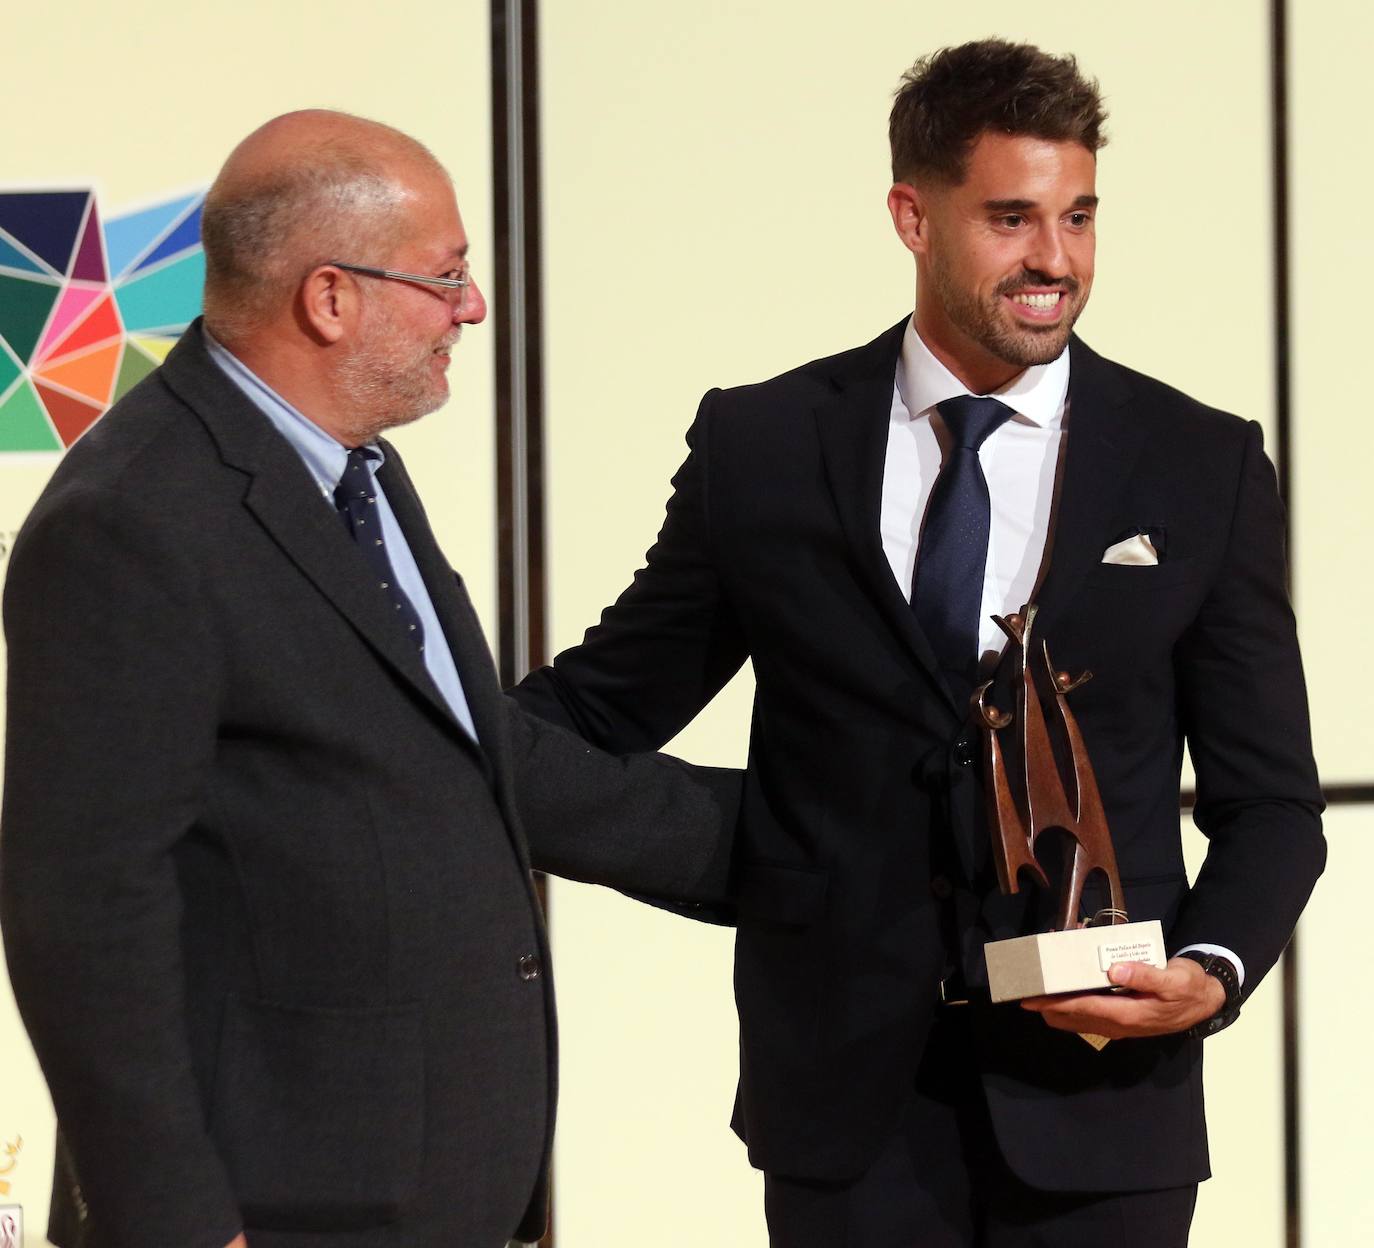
(1333, 514)
(146, 100)
(714, 213)
(1334, 444)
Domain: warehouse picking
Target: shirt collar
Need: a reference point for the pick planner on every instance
(324, 456)
(1036, 395)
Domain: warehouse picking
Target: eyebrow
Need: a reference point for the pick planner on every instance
(1024, 205)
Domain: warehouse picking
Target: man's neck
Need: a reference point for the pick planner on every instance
(292, 376)
(979, 370)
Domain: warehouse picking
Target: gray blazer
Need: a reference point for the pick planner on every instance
(267, 908)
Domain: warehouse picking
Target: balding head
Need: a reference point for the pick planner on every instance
(304, 189)
(336, 270)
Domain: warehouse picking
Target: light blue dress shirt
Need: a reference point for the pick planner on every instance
(326, 459)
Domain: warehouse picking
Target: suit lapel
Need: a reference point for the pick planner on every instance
(1102, 447)
(853, 434)
(285, 501)
(1103, 443)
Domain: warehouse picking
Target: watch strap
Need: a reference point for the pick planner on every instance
(1223, 970)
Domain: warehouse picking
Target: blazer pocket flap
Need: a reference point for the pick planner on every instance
(780, 894)
(319, 1113)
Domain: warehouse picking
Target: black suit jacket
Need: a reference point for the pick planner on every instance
(267, 907)
(861, 828)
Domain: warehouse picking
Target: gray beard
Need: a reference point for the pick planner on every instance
(382, 394)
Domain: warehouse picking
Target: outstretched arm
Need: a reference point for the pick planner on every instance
(667, 645)
(646, 822)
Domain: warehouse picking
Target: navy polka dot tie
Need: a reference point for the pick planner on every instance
(356, 498)
(947, 584)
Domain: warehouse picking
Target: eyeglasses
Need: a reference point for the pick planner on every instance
(460, 283)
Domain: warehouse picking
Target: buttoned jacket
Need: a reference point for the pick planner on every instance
(267, 906)
(861, 828)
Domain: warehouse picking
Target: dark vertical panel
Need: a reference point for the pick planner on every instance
(521, 628)
(1283, 408)
(522, 595)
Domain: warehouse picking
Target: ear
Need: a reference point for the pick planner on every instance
(329, 302)
(910, 216)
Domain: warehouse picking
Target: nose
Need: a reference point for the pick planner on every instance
(474, 309)
(1049, 255)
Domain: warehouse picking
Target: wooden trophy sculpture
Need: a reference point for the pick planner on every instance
(1028, 798)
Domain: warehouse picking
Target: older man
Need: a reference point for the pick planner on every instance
(266, 895)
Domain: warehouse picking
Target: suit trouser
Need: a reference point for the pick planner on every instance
(941, 1183)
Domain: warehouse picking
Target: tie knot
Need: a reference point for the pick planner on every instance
(356, 481)
(970, 418)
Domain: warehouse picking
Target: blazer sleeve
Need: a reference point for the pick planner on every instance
(111, 737)
(1244, 706)
(647, 823)
(667, 645)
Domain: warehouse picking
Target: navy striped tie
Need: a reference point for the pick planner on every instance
(356, 498)
(947, 583)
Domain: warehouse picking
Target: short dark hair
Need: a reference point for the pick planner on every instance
(951, 97)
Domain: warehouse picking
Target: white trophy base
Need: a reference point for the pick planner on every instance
(1076, 961)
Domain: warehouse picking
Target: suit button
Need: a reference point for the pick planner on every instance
(963, 752)
(530, 967)
(941, 889)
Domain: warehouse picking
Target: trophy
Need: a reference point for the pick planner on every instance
(1044, 789)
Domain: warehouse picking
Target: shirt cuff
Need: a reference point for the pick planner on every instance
(1221, 951)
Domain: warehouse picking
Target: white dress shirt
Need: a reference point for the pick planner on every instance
(1020, 460)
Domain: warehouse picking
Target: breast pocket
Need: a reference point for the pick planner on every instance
(1135, 578)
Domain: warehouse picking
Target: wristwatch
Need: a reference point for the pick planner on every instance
(1224, 971)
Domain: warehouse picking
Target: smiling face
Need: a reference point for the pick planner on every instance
(1004, 260)
(396, 369)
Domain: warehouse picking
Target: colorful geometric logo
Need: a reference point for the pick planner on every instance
(86, 312)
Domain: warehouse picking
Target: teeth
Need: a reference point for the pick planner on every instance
(1044, 302)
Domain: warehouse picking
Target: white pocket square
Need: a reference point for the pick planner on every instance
(1137, 552)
